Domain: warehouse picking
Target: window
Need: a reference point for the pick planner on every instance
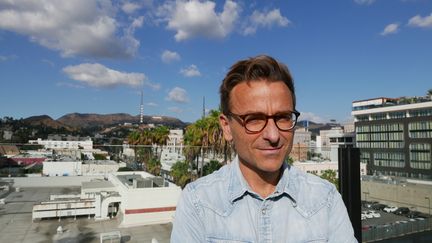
(420, 156)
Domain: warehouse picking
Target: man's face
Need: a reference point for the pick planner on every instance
(264, 151)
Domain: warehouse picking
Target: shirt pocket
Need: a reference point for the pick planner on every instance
(219, 240)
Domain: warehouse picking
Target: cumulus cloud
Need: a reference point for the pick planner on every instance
(178, 95)
(191, 71)
(265, 19)
(422, 22)
(364, 2)
(199, 19)
(312, 117)
(130, 8)
(97, 75)
(74, 28)
(170, 56)
(390, 29)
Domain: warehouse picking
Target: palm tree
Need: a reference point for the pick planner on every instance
(193, 140)
(161, 135)
(134, 139)
(180, 173)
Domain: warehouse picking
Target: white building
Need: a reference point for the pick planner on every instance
(318, 168)
(137, 198)
(302, 136)
(329, 141)
(56, 144)
(79, 168)
(173, 151)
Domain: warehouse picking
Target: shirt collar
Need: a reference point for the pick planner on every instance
(238, 186)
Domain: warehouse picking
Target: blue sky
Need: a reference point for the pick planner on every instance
(90, 56)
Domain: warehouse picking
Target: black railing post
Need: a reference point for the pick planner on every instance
(349, 185)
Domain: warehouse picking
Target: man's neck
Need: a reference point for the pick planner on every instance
(263, 183)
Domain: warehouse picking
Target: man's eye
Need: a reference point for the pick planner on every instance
(254, 119)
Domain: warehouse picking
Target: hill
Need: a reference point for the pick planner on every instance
(79, 120)
(45, 121)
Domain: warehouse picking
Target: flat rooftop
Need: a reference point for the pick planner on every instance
(16, 222)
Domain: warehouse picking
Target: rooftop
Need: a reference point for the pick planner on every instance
(16, 222)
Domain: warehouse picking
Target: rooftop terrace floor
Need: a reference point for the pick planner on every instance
(16, 222)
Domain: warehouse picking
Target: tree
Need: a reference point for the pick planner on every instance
(160, 137)
(429, 92)
(180, 173)
(134, 139)
(154, 166)
(212, 166)
(330, 175)
(289, 160)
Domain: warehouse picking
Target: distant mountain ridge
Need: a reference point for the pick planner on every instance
(47, 121)
(91, 120)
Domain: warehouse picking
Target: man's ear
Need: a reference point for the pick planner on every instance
(226, 129)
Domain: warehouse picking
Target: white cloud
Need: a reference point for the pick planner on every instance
(170, 56)
(312, 117)
(390, 29)
(69, 85)
(265, 19)
(364, 2)
(175, 109)
(153, 86)
(74, 28)
(97, 75)
(130, 8)
(178, 95)
(191, 71)
(199, 19)
(151, 104)
(423, 22)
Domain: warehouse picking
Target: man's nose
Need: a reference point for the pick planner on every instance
(271, 132)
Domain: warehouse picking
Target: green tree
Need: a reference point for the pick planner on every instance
(212, 166)
(133, 140)
(154, 166)
(160, 137)
(180, 173)
(289, 160)
(330, 175)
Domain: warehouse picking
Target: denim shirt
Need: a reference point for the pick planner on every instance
(221, 207)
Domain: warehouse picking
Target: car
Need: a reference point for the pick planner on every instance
(374, 214)
(379, 206)
(390, 209)
(402, 211)
(413, 214)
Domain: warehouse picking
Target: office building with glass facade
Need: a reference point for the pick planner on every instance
(395, 136)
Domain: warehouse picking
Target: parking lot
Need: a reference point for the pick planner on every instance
(389, 225)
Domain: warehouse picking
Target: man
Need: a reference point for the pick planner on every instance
(258, 197)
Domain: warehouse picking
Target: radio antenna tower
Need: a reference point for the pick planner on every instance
(141, 109)
(203, 115)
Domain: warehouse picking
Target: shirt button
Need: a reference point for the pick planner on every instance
(263, 211)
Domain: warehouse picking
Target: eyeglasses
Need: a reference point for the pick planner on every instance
(256, 122)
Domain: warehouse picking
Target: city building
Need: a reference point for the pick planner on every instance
(79, 168)
(61, 144)
(318, 168)
(330, 140)
(136, 198)
(395, 135)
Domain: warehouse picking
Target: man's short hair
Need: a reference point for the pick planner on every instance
(254, 69)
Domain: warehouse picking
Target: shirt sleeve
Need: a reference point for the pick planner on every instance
(341, 229)
(187, 226)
